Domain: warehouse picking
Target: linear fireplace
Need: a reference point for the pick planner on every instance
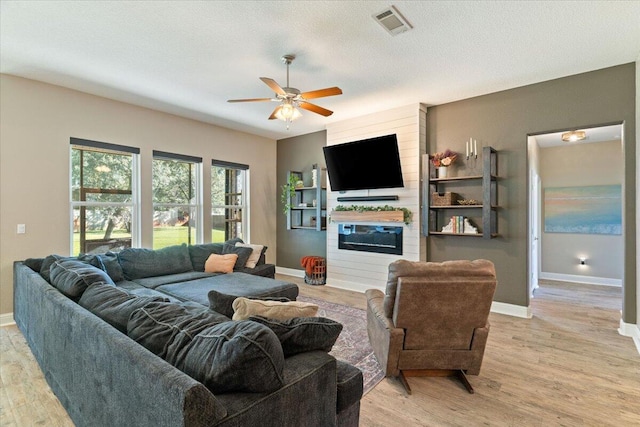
(370, 238)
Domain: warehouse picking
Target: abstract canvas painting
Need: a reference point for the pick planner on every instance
(595, 209)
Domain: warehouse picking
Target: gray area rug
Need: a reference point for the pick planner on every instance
(352, 345)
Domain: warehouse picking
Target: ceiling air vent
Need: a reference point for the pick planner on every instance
(392, 21)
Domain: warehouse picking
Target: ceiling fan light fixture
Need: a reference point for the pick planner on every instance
(574, 135)
(287, 112)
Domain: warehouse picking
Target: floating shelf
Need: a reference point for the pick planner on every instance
(367, 216)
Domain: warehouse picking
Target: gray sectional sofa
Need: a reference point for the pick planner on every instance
(114, 335)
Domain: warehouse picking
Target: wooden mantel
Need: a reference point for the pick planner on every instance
(367, 216)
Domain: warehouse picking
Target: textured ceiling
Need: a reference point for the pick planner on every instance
(189, 57)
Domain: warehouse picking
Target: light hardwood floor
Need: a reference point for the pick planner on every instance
(567, 366)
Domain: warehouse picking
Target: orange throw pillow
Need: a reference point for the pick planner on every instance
(220, 263)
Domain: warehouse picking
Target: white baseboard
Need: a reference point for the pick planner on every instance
(630, 330)
(511, 309)
(6, 319)
(573, 278)
(290, 272)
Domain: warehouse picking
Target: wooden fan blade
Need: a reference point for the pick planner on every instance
(250, 100)
(330, 91)
(273, 115)
(315, 109)
(273, 85)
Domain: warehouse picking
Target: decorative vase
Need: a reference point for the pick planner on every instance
(442, 172)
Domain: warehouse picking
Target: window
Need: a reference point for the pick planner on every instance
(229, 195)
(176, 199)
(104, 209)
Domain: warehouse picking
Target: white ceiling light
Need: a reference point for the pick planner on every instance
(392, 21)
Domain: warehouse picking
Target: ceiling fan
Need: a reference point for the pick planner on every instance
(291, 99)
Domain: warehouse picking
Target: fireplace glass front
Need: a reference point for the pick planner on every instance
(370, 238)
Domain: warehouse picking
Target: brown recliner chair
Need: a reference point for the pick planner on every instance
(433, 319)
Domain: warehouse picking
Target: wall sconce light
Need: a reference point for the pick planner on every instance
(583, 261)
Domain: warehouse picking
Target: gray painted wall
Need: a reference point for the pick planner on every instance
(298, 153)
(503, 120)
(573, 166)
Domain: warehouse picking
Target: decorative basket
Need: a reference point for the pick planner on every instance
(318, 274)
(444, 199)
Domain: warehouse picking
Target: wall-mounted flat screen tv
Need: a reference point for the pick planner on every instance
(365, 164)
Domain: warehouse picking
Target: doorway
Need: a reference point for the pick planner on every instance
(580, 252)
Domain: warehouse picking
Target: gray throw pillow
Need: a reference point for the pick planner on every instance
(302, 334)
(243, 254)
(113, 305)
(138, 263)
(72, 277)
(200, 253)
(112, 266)
(223, 303)
(158, 326)
(235, 357)
(47, 262)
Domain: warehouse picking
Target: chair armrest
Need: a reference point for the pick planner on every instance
(385, 338)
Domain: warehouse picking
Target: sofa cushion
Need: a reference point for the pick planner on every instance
(154, 282)
(239, 284)
(112, 266)
(235, 357)
(256, 252)
(220, 263)
(47, 262)
(244, 308)
(134, 288)
(158, 325)
(301, 334)
(243, 254)
(72, 277)
(200, 253)
(113, 305)
(138, 263)
(223, 303)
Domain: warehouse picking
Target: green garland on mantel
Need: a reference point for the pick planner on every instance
(386, 208)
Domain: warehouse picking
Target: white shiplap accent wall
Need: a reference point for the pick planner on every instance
(364, 270)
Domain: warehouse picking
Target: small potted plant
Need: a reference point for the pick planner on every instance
(442, 161)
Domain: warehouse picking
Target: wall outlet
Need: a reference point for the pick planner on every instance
(22, 229)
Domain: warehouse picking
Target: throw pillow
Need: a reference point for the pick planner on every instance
(45, 268)
(113, 305)
(245, 308)
(235, 357)
(165, 328)
(200, 253)
(302, 334)
(138, 263)
(112, 266)
(243, 255)
(72, 277)
(223, 303)
(220, 263)
(256, 252)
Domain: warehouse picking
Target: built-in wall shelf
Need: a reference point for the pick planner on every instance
(308, 207)
(481, 187)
